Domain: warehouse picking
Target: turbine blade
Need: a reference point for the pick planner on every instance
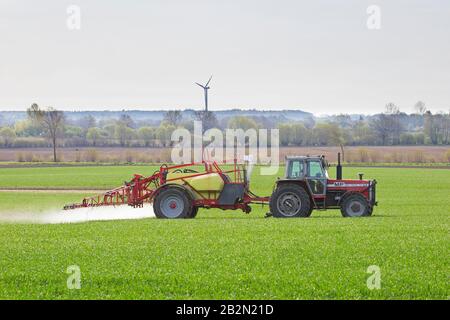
(208, 81)
(200, 85)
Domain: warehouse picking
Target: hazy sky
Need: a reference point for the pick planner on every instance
(317, 56)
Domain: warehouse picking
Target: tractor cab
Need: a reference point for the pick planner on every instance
(307, 186)
(312, 170)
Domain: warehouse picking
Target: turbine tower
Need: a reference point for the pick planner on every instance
(205, 89)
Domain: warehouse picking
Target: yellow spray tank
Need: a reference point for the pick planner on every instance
(206, 186)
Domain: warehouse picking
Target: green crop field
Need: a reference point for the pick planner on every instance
(224, 254)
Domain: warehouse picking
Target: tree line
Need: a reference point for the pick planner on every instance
(385, 129)
(47, 127)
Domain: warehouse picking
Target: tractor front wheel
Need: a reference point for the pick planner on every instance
(172, 203)
(290, 201)
(355, 205)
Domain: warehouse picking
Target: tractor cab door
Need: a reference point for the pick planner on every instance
(316, 177)
(295, 169)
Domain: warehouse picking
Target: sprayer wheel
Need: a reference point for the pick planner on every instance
(193, 212)
(172, 203)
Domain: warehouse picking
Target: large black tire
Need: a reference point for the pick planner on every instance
(193, 212)
(290, 201)
(355, 205)
(172, 203)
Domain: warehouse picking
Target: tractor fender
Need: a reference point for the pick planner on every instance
(172, 185)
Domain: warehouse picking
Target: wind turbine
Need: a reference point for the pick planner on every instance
(205, 88)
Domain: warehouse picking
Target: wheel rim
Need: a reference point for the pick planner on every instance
(289, 204)
(172, 206)
(355, 208)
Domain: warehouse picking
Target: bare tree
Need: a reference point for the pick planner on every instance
(420, 107)
(395, 127)
(430, 127)
(442, 123)
(207, 118)
(391, 108)
(173, 117)
(381, 125)
(87, 122)
(342, 151)
(51, 121)
(126, 120)
(343, 120)
(446, 128)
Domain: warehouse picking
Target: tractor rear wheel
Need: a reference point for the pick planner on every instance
(290, 201)
(172, 203)
(355, 205)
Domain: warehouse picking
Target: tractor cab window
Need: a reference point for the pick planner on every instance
(295, 169)
(315, 169)
(316, 177)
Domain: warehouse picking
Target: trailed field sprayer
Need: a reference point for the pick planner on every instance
(179, 191)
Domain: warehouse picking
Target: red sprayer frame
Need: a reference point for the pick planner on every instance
(143, 189)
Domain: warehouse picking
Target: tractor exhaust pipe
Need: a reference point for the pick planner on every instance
(339, 168)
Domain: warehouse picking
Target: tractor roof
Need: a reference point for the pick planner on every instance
(307, 157)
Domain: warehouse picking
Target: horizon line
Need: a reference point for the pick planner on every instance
(220, 110)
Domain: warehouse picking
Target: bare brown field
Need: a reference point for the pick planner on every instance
(47, 191)
(360, 154)
(106, 155)
(377, 154)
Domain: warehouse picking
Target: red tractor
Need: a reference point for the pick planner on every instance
(307, 186)
(179, 191)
